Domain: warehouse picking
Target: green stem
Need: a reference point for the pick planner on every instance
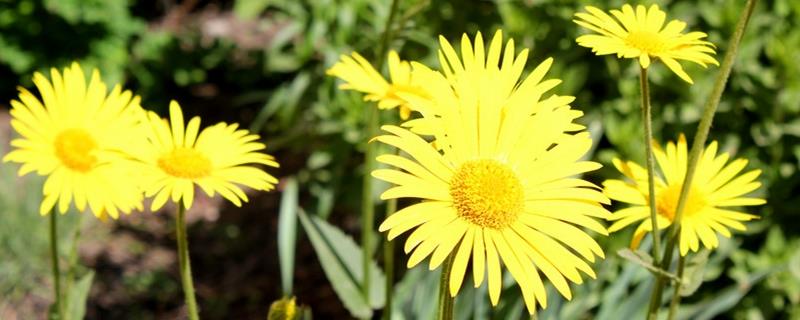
(388, 264)
(54, 260)
(73, 260)
(445, 311)
(184, 264)
(650, 162)
(367, 206)
(676, 294)
(697, 147)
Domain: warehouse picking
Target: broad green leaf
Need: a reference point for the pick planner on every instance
(693, 273)
(77, 296)
(287, 234)
(341, 260)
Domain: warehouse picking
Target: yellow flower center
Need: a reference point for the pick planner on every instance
(667, 202)
(186, 163)
(74, 148)
(487, 193)
(646, 41)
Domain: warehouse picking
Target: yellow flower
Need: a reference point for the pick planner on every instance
(715, 187)
(641, 34)
(77, 136)
(359, 75)
(283, 309)
(500, 183)
(218, 159)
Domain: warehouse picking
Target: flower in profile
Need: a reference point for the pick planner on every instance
(218, 159)
(641, 34)
(715, 188)
(359, 75)
(499, 184)
(77, 135)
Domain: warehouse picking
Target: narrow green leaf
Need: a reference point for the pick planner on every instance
(77, 296)
(645, 260)
(340, 258)
(287, 234)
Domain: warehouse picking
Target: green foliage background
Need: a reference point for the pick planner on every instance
(262, 63)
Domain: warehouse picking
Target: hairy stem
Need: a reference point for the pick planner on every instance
(59, 307)
(445, 311)
(697, 147)
(367, 206)
(183, 262)
(676, 295)
(647, 118)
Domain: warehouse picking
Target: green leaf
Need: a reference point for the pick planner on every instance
(287, 234)
(77, 296)
(693, 273)
(341, 260)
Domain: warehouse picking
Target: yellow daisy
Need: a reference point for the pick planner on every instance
(500, 184)
(359, 75)
(218, 159)
(714, 189)
(642, 34)
(77, 135)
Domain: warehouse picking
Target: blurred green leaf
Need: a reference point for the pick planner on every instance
(287, 233)
(340, 258)
(77, 297)
(693, 272)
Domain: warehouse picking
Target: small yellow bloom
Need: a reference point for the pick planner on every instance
(218, 159)
(499, 184)
(77, 135)
(283, 309)
(641, 34)
(359, 75)
(715, 187)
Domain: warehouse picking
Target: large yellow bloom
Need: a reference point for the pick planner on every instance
(715, 187)
(77, 136)
(641, 34)
(359, 75)
(500, 183)
(218, 159)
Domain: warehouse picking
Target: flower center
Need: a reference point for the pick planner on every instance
(185, 163)
(646, 41)
(74, 148)
(667, 202)
(487, 193)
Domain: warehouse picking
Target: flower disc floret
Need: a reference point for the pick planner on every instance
(185, 163)
(75, 147)
(487, 193)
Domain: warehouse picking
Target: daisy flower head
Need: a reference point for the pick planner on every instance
(717, 186)
(359, 75)
(641, 34)
(499, 183)
(218, 159)
(77, 135)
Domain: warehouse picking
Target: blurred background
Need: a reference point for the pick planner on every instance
(262, 63)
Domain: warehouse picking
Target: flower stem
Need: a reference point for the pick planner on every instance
(445, 311)
(388, 264)
(54, 260)
(367, 206)
(650, 162)
(697, 147)
(676, 295)
(184, 264)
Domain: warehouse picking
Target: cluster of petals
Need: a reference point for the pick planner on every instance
(102, 151)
